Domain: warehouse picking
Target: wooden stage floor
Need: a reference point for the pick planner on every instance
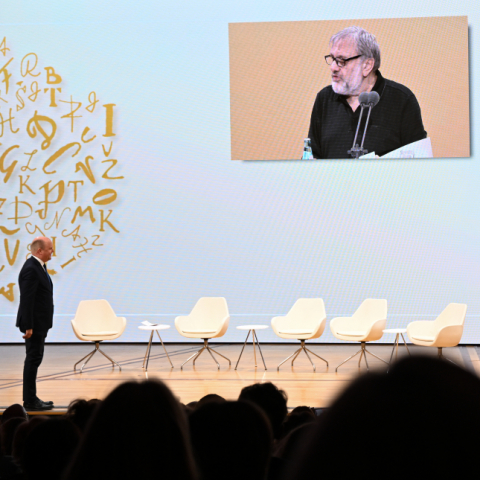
(58, 382)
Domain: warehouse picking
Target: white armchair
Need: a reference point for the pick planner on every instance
(305, 320)
(208, 319)
(445, 331)
(95, 321)
(365, 325)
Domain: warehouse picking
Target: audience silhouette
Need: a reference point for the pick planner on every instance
(231, 440)
(415, 418)
(138, 431)
(271, 400)
(420, 417)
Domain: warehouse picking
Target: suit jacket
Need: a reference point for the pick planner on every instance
(36, 298)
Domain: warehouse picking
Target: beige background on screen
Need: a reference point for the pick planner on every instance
(277, 68)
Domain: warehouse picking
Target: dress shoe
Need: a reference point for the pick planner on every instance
(47, 403)
(37, 405)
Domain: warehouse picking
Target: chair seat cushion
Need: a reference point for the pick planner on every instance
(288, 331)
(352, 333)
(199, 331)
(424, 339)
(96, 334)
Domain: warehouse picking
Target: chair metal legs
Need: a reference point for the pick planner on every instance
(149, 347)
(91, 354)
(363, 354)
(297, 353)
(210, 350)
(442, 357)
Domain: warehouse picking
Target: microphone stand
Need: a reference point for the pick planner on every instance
(370, 106)
(357, 151)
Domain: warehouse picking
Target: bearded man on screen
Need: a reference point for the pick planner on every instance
(396, 120)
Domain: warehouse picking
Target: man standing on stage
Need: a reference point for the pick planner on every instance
(35, 316)
(395, 121)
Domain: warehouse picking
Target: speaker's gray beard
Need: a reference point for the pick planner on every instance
(350, 87)
(347, 88)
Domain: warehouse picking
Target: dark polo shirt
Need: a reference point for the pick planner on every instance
(394, 122)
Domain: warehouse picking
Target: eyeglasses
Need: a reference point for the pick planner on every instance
(341, 62)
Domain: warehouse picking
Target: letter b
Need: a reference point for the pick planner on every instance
(52, 77)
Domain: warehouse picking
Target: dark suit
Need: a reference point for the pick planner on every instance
(35, 312)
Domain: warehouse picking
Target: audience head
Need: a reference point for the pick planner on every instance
(14, 411)
(419, 411)
(210, 398)
(80, 411)
(298, 416)
(271, 400)
(191, 406)
(231, 440)
(152, 441)
(48, 449)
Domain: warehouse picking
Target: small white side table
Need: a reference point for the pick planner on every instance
(252, 328)
(397, 332)
(152, 327)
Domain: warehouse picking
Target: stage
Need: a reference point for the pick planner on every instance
(58, 382)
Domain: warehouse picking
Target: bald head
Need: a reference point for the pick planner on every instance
(42, 248)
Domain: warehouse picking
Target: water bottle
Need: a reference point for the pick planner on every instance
(307, 150)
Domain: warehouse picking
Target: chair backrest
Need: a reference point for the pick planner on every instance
(209, 312)
(370, 311)
(453, 314)
(95, 316)
(306, 314)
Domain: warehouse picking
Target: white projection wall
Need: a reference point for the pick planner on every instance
(151, 213)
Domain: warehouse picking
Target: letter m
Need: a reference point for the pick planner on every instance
(81, 212)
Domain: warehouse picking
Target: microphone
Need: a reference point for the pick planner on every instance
(363, 98)
(373, 98)
(366, 100)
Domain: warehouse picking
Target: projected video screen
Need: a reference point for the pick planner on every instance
(277, 68)
(117, 134)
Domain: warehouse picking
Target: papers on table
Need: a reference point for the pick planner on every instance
(420, 149)
(369, 155)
